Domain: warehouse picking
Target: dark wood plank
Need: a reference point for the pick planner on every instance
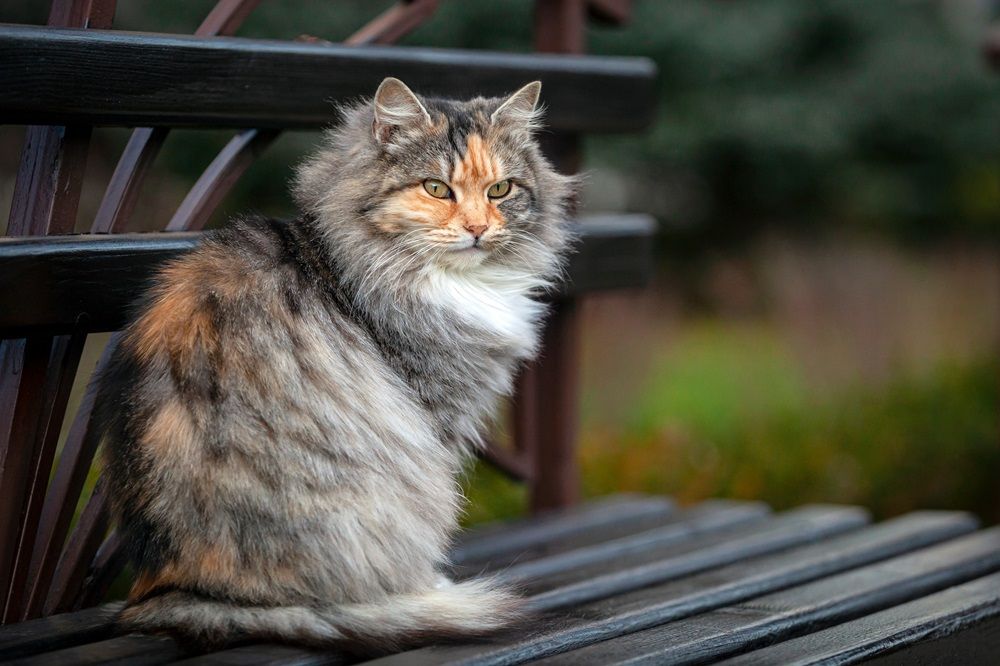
(620, 511)
(77, 556)
(63, 361)
(655, 605)
(269, 655)
(87, 283)
(134, 649)
(721, 510)
(25, 374)
(604, 546)
(134, 79)
(58, 631)
(807, 608)
(634, 569)
(492, 541)
(978, 643)
(62, 497)
(82, 283)
(897, 631)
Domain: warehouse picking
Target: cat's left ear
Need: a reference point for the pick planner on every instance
(396, 108)
(521, 108)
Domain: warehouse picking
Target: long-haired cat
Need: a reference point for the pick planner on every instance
(284, 420)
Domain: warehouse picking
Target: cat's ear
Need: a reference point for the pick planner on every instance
(396, 107)
(521, 108)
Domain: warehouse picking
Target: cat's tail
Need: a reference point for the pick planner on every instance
(455, 610)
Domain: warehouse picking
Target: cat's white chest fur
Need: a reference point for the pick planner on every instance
(493, 298)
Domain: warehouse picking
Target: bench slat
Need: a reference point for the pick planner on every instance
(52, 633)
(690, 524)
(87, 283)
(969, 613)
(146, 80)
(775, 617)
(134, 650)
(616, 616)
(489, 542)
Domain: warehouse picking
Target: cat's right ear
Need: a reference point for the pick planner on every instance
(396, 108)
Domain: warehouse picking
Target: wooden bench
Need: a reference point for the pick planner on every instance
(628, 578)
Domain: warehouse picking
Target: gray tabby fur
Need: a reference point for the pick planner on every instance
(284, 421)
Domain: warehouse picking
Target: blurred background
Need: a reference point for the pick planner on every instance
(825, 321)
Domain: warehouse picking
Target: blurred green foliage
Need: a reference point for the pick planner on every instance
(713, 420)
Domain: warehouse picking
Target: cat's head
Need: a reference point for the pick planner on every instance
(436, 182)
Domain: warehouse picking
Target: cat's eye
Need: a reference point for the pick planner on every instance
(498, 190)
(437, 189)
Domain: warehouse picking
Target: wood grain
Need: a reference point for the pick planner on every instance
(131, 79)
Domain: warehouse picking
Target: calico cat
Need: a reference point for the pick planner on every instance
(284, 420)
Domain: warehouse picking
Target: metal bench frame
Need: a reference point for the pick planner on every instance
(75, 73)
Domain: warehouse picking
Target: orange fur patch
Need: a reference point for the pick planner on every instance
(178, 321)
(472, 176)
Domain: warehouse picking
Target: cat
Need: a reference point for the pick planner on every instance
(284, 420)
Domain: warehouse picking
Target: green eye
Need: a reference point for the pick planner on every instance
(437, 189)
(498, 190)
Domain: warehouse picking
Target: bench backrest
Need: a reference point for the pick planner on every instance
(62, 80)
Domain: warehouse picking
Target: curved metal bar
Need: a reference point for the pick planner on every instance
(62, 498)
(46, 198)
(218, 179)
(241, 151)
(144, 145)
(90, 531)
(63, 362)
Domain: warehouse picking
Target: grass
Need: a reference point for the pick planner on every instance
(724, 411)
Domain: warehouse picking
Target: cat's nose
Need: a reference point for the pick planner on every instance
(476, 230)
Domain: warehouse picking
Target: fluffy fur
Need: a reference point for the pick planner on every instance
(284, 420)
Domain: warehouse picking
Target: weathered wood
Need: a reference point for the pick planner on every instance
(81, 547)
(83, 283)
(656, 564)
(709, 518)
(20, 448)
(969, 612)
(656, 604)
(134, 649)
(269, 655)
(719, 513)
(772, 618)
(64, 357)
(166, 80)
(61, 499)
(88, 283)
(621, 530)
(58, 631)
(491, 541)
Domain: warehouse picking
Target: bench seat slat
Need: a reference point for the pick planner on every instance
(146, 80)
(817, 564)
(775, 617)
(600, 546)
(490, 542)
(967, 616)
(589, 623)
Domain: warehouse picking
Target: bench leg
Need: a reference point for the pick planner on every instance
(555, 480)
